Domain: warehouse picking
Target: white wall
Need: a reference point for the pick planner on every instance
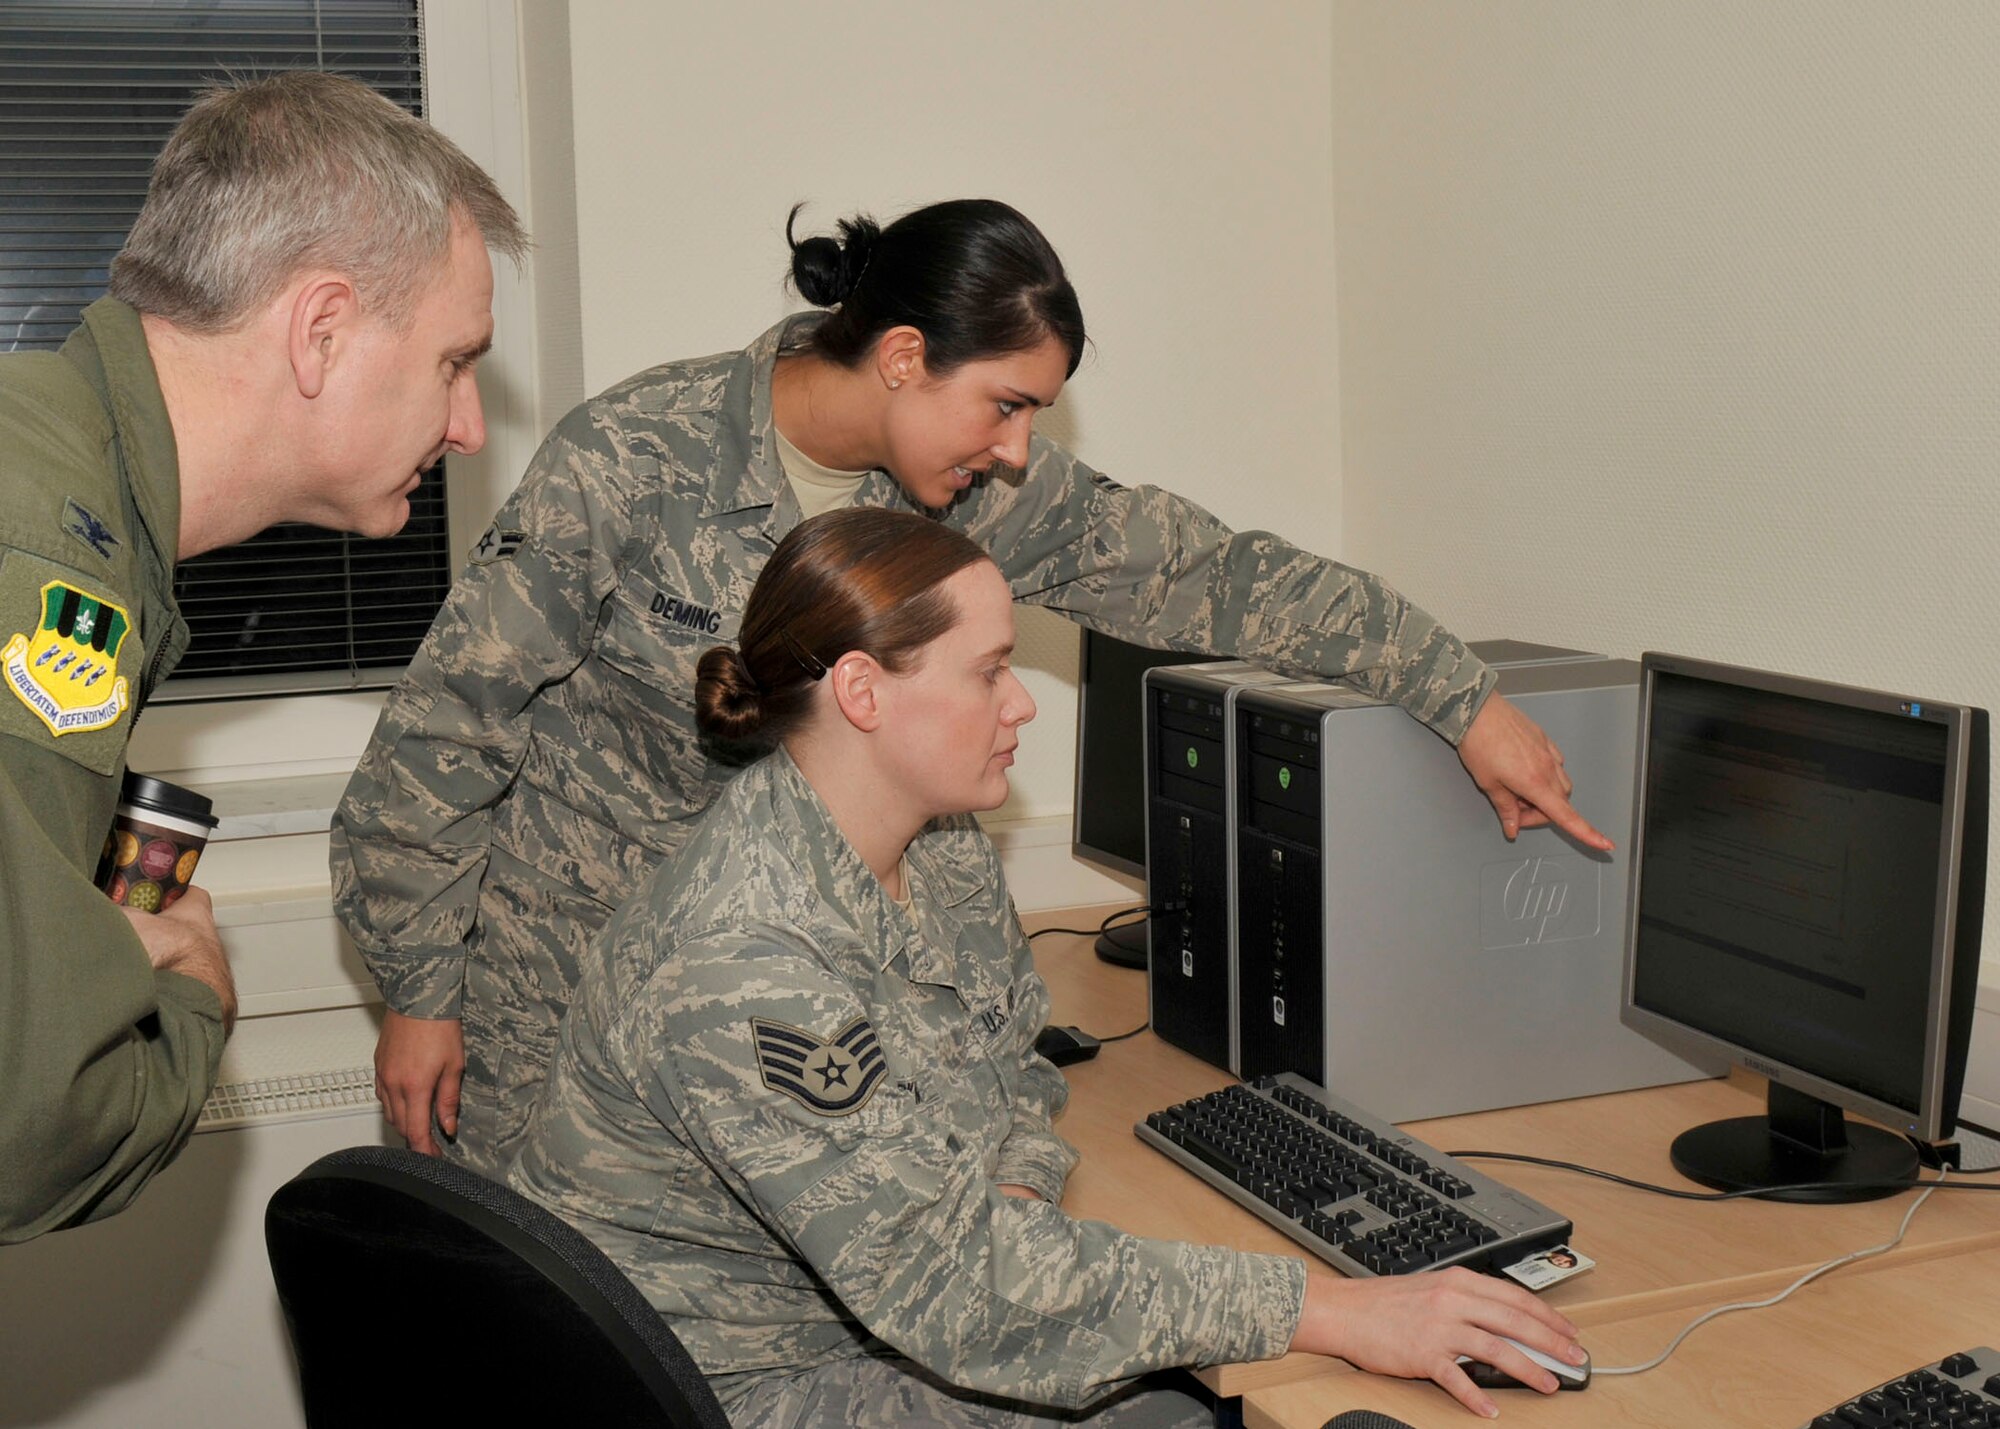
(1178, 154)
(1674, 327)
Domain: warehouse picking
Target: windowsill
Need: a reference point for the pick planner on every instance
(287, 804)
(304, 804)
(253, 883)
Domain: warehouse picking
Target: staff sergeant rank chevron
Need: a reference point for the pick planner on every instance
(828, 1078)
(66, 672)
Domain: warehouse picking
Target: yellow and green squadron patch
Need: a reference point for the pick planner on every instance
(66, 671)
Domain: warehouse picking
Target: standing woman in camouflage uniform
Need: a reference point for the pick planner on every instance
(797, 1098)
(540, 756)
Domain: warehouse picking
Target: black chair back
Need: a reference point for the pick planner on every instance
(419, 1292)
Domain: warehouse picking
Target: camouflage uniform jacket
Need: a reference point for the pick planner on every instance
(104, 1063)
(540, 755)
(783, 1106)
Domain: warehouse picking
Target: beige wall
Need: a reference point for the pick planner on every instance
(1178, 154)
(1678, 327)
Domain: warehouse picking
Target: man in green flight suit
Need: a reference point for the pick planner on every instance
(290, 336)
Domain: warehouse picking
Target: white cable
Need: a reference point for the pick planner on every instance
(1806, 1279)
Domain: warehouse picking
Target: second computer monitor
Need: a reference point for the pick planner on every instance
(1807, 893)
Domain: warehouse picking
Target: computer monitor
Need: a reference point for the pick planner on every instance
(1108, 827)
(1808, 881)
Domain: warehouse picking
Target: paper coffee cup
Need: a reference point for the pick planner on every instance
(155, 842)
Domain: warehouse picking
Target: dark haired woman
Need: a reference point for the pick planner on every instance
(797, 1098)
(541, 755)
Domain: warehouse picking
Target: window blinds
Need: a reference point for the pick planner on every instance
(89, 90)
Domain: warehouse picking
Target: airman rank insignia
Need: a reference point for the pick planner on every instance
(496, 545)
(828, 1078)
(67, 670)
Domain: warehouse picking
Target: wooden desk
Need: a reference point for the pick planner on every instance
(1759, 1369)
(1653, 1253)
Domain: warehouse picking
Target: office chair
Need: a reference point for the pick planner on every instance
(418, 1292)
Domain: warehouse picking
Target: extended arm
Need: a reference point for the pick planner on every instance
(1150, 567)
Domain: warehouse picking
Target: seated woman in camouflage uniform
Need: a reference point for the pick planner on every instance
(796, 1097)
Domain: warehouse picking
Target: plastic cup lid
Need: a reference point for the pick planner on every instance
(147, 792)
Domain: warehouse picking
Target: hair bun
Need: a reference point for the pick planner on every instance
(825, 271)
(727, 701)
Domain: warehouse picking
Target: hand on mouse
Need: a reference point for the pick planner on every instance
(1416, 1327)
(1568, 1376)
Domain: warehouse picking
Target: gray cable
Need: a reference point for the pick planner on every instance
(1806, 1279)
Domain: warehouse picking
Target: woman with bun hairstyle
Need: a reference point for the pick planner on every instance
(541, 754)
(797, 1100)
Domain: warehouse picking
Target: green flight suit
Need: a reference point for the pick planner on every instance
(104, 1063)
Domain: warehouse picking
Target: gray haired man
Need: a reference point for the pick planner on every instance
(290, 336)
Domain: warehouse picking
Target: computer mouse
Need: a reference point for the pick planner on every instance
(1063, 1045)
(1568, 1376)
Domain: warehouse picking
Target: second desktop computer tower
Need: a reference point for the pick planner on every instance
(1391, 944)
(1190, 984)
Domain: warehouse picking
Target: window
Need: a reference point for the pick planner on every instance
(89, 90)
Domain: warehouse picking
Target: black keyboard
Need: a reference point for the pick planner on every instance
(1962, 1390)
(1366, 1198)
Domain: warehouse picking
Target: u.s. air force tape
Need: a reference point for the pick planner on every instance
(829, 1078)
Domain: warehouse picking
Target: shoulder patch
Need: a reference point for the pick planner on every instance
(496, 545)
(65, 668)
(83, 523)
(827, 1078)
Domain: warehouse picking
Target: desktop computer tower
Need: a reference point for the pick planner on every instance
(1391, 944)
(1190, 986)
(1190, 839)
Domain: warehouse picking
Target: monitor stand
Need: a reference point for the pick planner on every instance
(1124, 945)
(1800, 1140)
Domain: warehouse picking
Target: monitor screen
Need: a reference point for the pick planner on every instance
(1808, 878)
(1109, 827)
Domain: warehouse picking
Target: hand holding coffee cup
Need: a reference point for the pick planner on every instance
(155, 842)
(183, 939)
